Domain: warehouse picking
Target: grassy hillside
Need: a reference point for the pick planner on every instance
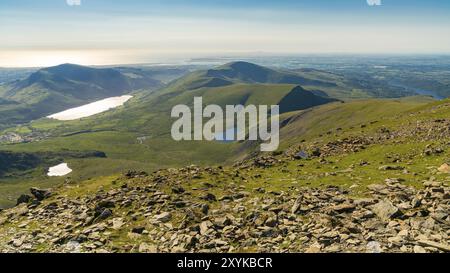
(54, 89)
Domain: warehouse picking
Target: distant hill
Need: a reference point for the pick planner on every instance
(78, 83)
(252, 73)
(54, 89)
(243, 72)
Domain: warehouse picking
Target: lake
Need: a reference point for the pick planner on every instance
(59, 170)
(90, 109)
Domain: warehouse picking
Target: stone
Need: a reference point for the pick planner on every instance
(385, 210)
(419, 250)
(301, 155)
(40, 194)
(23, 199)
(146, 248)
(105, 214)
(138, 230)
(205, 227)
(72, 247)
(271, 222)
(163, 217)
(209, 197)
(395, 240)
(297, 204)
(403, 233)
(117, 223)
(222, 221)
(444, 168)
(373, 247)
(343, 208)
(18, 242)
(314, 248)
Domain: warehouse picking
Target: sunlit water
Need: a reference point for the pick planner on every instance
(59, 170)
(91, 108)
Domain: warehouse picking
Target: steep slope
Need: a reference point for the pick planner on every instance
(54, 89)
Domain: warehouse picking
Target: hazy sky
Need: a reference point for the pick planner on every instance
(48, 32)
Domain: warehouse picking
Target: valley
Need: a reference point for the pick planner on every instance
(356, 171)
(137, 135)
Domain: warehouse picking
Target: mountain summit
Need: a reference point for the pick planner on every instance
(253, 73)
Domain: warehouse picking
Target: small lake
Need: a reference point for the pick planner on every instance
(91, 108)
(59, 170)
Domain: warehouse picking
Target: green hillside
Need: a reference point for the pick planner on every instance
(58, 88)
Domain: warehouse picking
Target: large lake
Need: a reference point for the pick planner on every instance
(91, 108)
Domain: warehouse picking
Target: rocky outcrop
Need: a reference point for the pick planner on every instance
(153, 213)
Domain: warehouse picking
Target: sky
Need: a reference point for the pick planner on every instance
(100, 32)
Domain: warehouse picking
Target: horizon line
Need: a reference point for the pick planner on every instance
(218, 57)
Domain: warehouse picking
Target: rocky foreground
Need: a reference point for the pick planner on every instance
(176, 211)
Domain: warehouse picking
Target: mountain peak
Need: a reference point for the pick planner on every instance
(241, 71)
(67, 68)
(241, 65)
(67, 65)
